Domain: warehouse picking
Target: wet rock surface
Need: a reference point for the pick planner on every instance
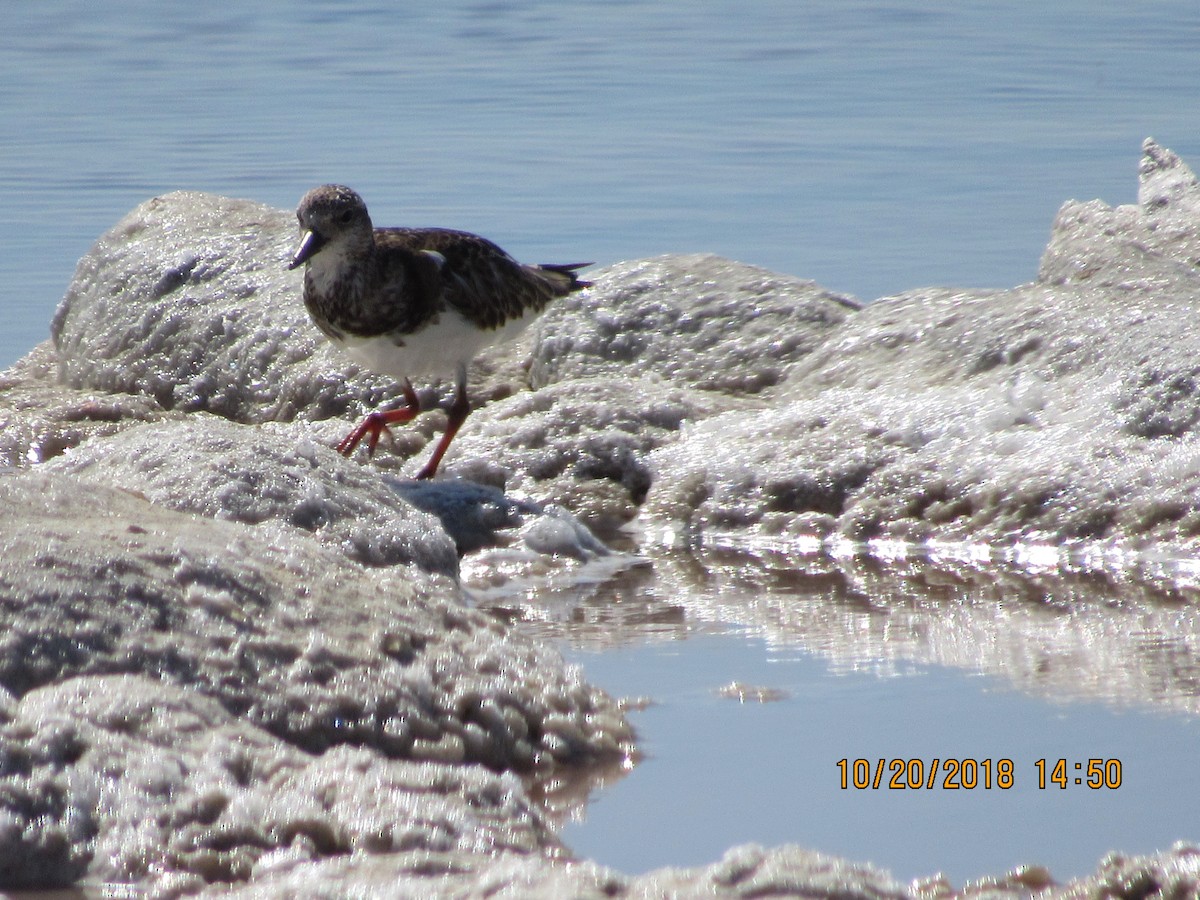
(231, 658)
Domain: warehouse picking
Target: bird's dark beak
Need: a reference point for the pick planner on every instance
(309, 245)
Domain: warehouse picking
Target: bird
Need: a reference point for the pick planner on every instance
(413, 301)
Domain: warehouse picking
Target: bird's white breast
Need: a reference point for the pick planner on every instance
(438, 349)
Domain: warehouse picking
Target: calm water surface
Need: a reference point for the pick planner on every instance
(871, 146)
(720, 772)
(908, 661)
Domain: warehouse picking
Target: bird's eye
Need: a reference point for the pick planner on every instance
(346, 217)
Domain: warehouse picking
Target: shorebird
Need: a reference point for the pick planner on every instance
(413, 301)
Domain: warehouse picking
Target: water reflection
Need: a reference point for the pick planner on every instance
(1063, 636)
(903, 659)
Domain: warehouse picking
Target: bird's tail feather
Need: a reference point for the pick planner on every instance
(564, 276)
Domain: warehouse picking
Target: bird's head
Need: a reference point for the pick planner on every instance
(331, 216)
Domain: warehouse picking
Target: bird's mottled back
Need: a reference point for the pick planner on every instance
(476, 278)
(363, 280)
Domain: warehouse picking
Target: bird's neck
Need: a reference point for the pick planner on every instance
(340, 269)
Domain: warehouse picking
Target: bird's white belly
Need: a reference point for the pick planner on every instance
(438, 349)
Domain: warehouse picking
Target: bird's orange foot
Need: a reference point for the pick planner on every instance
(375, 425)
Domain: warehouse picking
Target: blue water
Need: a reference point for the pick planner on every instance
(720, 773)
(872, 146)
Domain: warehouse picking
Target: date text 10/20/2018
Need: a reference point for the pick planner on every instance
(971, 774)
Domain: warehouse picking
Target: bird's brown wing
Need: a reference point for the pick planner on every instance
(477, 278)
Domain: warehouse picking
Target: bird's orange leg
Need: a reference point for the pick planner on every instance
(376, 424)
(456, 415)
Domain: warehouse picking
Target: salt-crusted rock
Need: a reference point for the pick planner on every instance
(1050, 412)
(1174, 873)
(276, 477)
(45, 831)
(184, 301)
(583, 444)
(269, 477)
(696, 320)
(292, 636)
(128, 779)
(748, 871)
(40, 418)
(1152, 245)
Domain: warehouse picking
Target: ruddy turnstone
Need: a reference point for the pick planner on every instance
(413, 301)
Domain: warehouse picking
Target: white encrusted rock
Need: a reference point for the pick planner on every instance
(1065, 410)
(185, 300)
(283, 632)
(270, 477)
(697, 321)
(125, 778)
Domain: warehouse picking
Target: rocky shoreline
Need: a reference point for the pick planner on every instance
(235, 662)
